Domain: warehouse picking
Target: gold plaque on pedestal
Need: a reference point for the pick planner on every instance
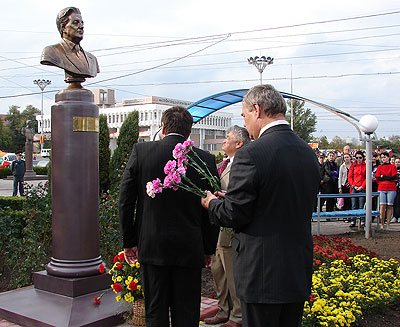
(85, 124)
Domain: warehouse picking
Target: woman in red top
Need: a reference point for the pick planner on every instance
(386, 176)
(357, 183)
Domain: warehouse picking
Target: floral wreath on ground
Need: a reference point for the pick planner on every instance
(126, 279)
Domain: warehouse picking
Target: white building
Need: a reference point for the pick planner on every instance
(208, 134)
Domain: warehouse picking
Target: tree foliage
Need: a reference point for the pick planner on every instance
(16, 120)
(128, 136)
(104, 154)
(304, 120)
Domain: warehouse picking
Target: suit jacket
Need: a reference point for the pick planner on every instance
(60, 55)
(271, 194)
(172, 228)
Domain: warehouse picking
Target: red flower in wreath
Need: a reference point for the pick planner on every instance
(101, 269)
(132, 286)
(121, 257)
(116, 258)
(119, 266)
(117, 287)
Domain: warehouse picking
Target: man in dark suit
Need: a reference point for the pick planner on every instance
(68, 54)
(269, 202)
(171, 234)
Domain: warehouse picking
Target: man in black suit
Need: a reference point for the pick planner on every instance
(171, 234)
(68, 54)
(269, 202)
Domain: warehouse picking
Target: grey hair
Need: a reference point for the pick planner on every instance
(267, 97)
(63, 17)
(240, 134)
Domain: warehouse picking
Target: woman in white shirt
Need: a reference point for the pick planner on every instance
(344, 186)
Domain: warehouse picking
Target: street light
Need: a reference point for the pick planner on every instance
(368, 124)
(260, 64)
(42, 85)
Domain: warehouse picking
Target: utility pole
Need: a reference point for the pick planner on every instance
(260, 63)
(42, 85)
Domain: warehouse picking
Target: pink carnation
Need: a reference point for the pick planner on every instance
(168, 181)
(150, 190)
(157, 186)
(178, 151)
(187, 144)
(182, 161)
(169, 167)
(181, 169)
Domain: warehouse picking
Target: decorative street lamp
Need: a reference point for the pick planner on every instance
(42, 85)
(368, 124)
(260, 63)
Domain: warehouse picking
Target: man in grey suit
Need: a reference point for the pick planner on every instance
(229, 312)
(269, 202)
(68, 54)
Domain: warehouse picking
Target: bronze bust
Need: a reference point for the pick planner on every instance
(68, 54)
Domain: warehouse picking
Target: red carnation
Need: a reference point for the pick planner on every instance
(119, 266)
(97, 299)
(116, 258)
(117, 287)
(132, 286)
(101, 269)
(121, 257)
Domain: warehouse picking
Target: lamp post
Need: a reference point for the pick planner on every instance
(42, 85)
(368, 124)
(260, 63)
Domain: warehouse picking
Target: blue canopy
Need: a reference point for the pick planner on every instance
(207, 106)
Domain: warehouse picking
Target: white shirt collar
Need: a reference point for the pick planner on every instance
(274, 123)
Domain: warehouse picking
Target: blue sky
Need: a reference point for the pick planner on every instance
(343, 53)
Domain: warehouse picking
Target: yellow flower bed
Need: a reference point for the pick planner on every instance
(341, 293)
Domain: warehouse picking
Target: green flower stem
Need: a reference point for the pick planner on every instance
(190, 189)
(213, 180)
(192, 184)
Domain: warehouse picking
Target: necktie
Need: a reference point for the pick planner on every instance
(223, 166)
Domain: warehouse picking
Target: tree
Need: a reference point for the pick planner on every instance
(304, 120)
(323, 142)
(104, 155)
(15, 123)
(5, 137)
(337, 143)
(128, 136)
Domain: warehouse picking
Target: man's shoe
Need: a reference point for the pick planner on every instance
(232, 323)
(352, 225)
(215, 320)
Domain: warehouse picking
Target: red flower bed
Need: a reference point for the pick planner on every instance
(328, 249)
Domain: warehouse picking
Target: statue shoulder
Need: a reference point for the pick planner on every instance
(51, 55)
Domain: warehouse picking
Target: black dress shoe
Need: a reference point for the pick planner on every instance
(215, 320)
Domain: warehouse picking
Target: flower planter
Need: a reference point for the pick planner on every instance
(139, 316)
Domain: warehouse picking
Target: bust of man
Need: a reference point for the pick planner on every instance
(68, 54)
(28, 132)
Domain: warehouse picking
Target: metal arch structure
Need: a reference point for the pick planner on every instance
(206, 106)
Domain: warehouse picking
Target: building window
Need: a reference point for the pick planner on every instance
(113, 119)
(145, 116)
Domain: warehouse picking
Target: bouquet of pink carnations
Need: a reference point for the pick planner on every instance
(175, 171)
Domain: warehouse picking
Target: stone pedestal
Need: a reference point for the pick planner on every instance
(75, 184)
(63, 295)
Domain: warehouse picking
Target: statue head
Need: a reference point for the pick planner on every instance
(70, 24)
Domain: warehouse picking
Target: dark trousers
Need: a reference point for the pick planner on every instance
(18, 183)
(396, 205)
(272, 315)
(330, 188)
(175, 290)
(347, 201)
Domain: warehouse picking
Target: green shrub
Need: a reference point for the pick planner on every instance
(109, 227)
(4, 172)
(14, 202)
(40, 170)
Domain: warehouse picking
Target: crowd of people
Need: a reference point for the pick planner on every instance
(347, 174)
